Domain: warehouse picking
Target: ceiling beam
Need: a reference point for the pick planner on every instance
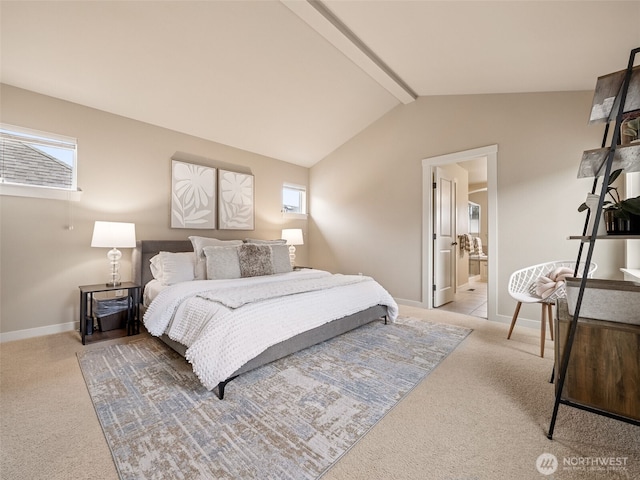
(323, 21)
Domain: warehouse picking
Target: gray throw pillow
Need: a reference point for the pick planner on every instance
(281, 260)
(222, 262)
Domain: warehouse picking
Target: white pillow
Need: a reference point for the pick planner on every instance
(198, 245)
(170, 268)
(156, 267)
(280, 259)
(222, 262)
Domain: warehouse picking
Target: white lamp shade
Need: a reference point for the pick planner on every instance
(114, 235)
(293, 236)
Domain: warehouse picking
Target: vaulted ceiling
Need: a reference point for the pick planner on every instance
(295, 79)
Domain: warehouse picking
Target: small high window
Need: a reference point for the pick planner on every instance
(294, 199)
(32, 162)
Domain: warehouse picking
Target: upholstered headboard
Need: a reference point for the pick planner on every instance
(146, 249)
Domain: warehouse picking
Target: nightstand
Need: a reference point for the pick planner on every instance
(127, 292)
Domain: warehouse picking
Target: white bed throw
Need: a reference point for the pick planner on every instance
(234, 297)
(226, 323)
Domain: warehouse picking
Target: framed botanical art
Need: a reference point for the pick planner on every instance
(193, 196)
(235, 201)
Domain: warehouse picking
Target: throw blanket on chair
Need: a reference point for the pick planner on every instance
(547, 284)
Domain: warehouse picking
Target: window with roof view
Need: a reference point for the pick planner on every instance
(294, 199)
(37, 159)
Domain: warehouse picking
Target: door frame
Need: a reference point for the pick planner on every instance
(491, 153)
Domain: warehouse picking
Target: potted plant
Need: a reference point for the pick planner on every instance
(621, 217)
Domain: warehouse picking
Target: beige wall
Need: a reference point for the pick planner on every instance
(124, 172)
(366, 200)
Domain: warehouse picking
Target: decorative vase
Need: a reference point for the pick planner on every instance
(635, 225)
(621, 226)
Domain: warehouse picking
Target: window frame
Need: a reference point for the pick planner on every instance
(302, 191)
(45, 139)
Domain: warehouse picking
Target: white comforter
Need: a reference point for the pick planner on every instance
(226, 323)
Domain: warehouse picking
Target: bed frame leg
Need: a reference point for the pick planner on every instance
(385, 319)
(221, 386)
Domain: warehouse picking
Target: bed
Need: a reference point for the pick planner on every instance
(225, 325)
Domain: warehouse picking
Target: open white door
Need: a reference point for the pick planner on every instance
(444, 241)
(428, 225)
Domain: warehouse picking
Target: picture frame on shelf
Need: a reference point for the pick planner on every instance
(606, 98)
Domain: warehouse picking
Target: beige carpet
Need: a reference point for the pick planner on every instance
(482, 414)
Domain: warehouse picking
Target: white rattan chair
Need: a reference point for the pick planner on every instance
(522, 289)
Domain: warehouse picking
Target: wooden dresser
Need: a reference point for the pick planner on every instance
(604, 368)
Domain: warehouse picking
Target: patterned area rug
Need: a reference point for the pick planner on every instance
(290, 419)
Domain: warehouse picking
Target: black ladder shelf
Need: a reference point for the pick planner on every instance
(590, 238)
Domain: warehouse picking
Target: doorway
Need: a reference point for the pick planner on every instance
(428, 272)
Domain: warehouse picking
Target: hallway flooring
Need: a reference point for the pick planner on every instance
(470, 300)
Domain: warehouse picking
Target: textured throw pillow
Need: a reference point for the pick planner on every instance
(222, 262)
(169, 267)
(198, 245)
(280, 259)
(255, 260)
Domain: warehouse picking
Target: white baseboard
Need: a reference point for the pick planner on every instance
(410, 303)
(522, 322)
(73, 326)
(38, 332)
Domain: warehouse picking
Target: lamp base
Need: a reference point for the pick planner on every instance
(292, 255)
(114, 255)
